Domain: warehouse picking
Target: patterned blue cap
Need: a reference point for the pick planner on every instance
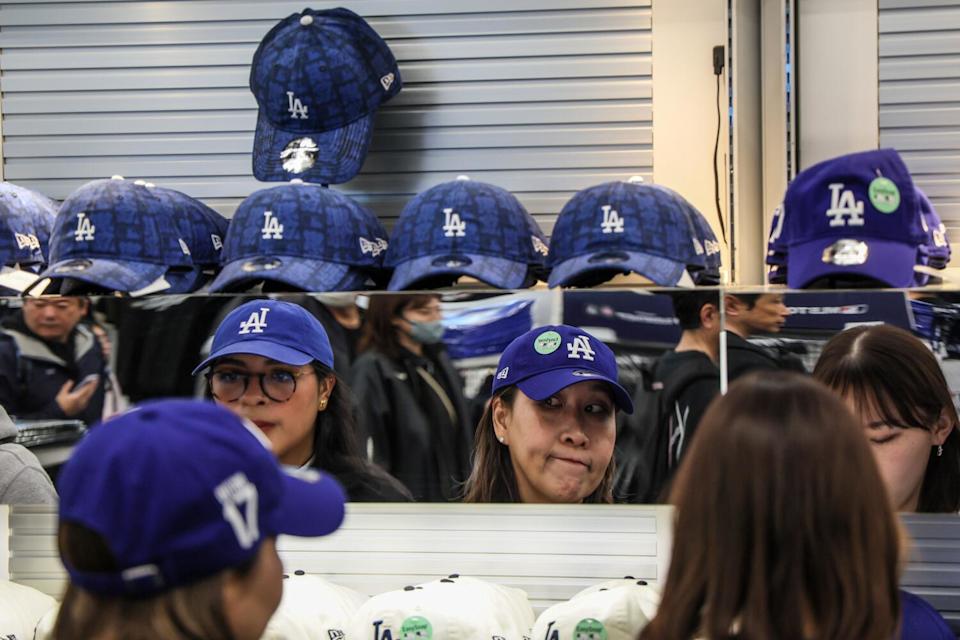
(547, 359)
(705, 243)
(318, 77)
(304, 236)
(115, 234)
(626, 226)
(203, 231)
(206, 490)
(22, 212)
(465, 228)
(854, 215)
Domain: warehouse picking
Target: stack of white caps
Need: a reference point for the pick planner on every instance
(454, 608)
(615, 610)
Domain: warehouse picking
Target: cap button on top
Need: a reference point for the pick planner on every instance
(306, 21)
(635, 180)
(297, 180)
(463, 177)
(116, 177)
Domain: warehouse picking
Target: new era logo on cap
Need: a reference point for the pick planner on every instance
(304, 237)
(465, 228)
(318, 77)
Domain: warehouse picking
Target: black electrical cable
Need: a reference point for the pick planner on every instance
(716, 173)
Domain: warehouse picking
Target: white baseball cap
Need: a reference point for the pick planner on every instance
(21, 608)
(614, 610)
(312, 607)
(44, 629)
(454, 608)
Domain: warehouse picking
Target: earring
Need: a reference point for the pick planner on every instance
(939, 450)
(500, 438)
(323, 404)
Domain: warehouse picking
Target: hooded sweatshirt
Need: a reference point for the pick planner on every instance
(22, 479)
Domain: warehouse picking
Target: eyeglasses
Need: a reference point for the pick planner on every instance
(279, 385)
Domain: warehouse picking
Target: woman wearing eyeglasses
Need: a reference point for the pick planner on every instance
(272, 363)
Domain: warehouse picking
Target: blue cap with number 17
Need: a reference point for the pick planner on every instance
(547, 359)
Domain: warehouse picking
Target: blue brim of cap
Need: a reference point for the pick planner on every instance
(301, 274)
(184, 281)
(888, 262)
(312, 504)
(340, 152)
(259, 347)
(109, 274)
(543, 385)
(496, 272)
(659, 270)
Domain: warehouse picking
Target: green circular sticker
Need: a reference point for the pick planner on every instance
(416, 628)
(589, 629)
(884, 195)
(547, 342)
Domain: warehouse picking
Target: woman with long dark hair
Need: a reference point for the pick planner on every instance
(893, 382)
(272, 363)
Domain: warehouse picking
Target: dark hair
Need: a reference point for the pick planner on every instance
(888, 369)
(191, 612)
(378, 331)
(492, 478)
(336, 442)
(687, 306)
(783, 529)
(749, 299)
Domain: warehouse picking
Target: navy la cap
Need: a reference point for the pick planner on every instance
(547, 359)
(274, 329)
(318, 77)
(305, 237)
(465, 228)
(180, 490)
(854, 215)
(26, 217)
(115, 234)
(626, 226)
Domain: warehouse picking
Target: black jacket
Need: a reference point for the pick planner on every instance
(744, 356)
(687, 405)
(32, 372)
(414, 422)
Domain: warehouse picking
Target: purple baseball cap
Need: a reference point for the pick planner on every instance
(547, 359)
(180, 490)
(857, 215)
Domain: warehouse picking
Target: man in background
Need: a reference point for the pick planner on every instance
(755, 314)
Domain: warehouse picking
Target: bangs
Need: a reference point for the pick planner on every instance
(873, 392)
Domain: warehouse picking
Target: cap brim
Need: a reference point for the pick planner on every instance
(496, 272)
(339, 156)
(543, 385)
(184, 281)
(265, 348)
(312, 505)
(109, 274)
(659, 270)
(301, 274)
(890, 263)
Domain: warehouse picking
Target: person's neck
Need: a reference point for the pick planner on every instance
(698, 341)
(409, 344)
(348, 317)
(737, 328)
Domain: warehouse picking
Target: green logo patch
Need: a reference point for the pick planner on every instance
(547, 342)
(589, 629)
(884, 195)
(416, 628)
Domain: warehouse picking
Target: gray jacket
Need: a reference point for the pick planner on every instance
(22, 479)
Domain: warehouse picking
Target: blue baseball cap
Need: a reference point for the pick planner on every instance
(547, 359)
(705, 242)
(19, 241)
(180, 490)
(318, 77)
(203, 231)
(625, 226)
(274, 329)
(465, 228)
(115, 234)
(854, 215)
(304, 236)
(935, 252)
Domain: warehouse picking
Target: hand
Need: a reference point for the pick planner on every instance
(72, 401)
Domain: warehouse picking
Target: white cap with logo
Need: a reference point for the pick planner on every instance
(313, 607)
(21, 608)
(614, 610)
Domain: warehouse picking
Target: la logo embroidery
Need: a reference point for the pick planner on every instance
(85, 228)
(298, 111)
(453, 225)
(612, 222)
(271, 227)
(256, 323)
(580, 348)
(843, 203)
(238, 492)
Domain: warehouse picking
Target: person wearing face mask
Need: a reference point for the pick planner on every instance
(549, 431)
(411, 408)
